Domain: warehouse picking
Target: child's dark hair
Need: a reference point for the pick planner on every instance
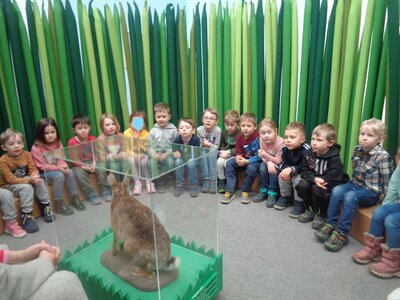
(187, 120)
(80, 120)
(160, 107)
(326, 130)
(139, 113)
(40, 139)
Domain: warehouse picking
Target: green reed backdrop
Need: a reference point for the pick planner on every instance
(240, 55)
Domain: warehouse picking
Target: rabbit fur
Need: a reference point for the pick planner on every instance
(132, 222)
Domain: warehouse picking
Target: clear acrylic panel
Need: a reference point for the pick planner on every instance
(188, 216)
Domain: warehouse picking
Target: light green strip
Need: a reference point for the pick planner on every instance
(294, 63)
(245, 60)
(147, 67)
(269, 52)
(212, 53)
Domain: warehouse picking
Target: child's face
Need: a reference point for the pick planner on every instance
(368, 138)
(294, 139)
(231, 127)
(50, 134)
(185, 129)
(82, 131)
(320, 144)
(247, 128)
(109, 127)
(268, 134)
(13, 146)
(136, 121)
(162, 118)
(209, 120)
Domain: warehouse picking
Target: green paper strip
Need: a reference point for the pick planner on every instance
(212, 53)
(334, 100)
(199, 62)
(294, 63)
(44, 62)
(237, 69)
(351, 46)
(278, 71)
(269, 68)
(381, 81)
(227, 61)
(254, 65)
(305, 51)
(219, 76)
(204, 38)
(260, 60)
(146, 60)
(193, 80)
(128, 59)
(184, 63)
(164, 63)
(245, 61)
(156, 45)
(172, 60)
(376, 47)
(286, 63)
(118, 63)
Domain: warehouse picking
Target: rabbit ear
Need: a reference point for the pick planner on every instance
(127, 179)
(111, 178)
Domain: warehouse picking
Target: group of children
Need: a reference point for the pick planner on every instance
(288, 169)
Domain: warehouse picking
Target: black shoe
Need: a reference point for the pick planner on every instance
(77, 203)
(221, 186)
(62, 209)
(28, 223)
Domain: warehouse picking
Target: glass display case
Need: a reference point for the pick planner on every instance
(149, 228)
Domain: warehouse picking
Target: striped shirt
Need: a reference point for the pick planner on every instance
(372, 169)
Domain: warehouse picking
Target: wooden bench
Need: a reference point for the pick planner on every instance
(37, 211)
(361, 222)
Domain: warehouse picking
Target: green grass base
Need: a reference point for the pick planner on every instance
(200, 272)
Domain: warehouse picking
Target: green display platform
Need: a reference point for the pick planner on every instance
(200, 272)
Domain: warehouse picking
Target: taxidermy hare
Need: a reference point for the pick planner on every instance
(132, 222)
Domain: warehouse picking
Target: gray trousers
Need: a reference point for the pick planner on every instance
(82, 178)
(287, 187)
(26, 193)
(7, 205)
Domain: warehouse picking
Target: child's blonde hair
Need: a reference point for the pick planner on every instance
(10, 133)
(268, 122)
(211, 111)
(249, 116)
(377, 126)
(113, 118)
(327, 130)
(297, 126)
(232, 116)
(160, 107)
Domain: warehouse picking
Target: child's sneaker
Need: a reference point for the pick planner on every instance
(179, 190)
(151, 189)
(306, 216)
(29, 223)
(324, 233)
(205, 187)
(93, 199)
(107, 196)
(48, 215)
(261, 196)
(297, 210)
(137, 190)
(194, 191)
(15, 230)
(282, 203)
(318, 222)
(245, 198)
(221, 186)
(213, 187)
(336, 241)
(271, 201)
(228, 197)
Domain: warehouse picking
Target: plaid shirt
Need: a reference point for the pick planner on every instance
(372, 169)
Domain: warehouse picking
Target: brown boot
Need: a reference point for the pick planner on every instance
(389, 266)
(371, 251)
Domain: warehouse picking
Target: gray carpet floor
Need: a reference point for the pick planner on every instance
(266, 254)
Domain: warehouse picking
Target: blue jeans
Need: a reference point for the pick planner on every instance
(58, 178)
(251, 172)
(352, 197)
(387, 216)
(268, 181)
(208, 165)
(191, 169)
